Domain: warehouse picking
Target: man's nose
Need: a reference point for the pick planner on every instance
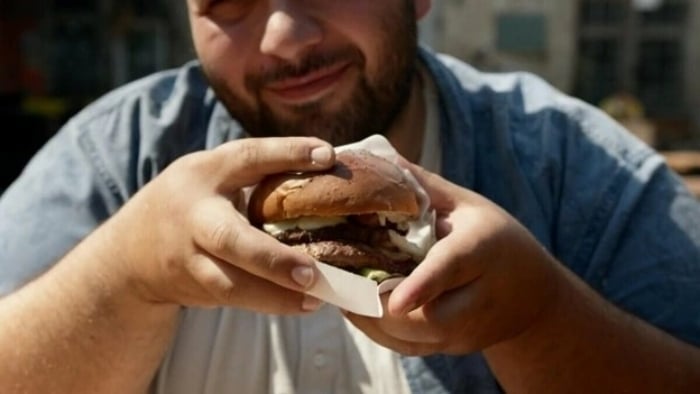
(289, 33)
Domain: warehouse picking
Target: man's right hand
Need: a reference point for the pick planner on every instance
(181, 240)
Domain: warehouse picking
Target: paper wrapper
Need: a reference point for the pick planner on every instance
(358, 294)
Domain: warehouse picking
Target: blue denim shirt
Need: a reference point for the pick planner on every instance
(599, 200)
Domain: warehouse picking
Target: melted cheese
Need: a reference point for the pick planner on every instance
(305, 223)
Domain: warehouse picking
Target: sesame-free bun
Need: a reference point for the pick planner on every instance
(359, 183)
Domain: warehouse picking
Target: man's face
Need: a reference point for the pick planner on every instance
(336, 69)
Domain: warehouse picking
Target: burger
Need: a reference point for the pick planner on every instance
(354, 216)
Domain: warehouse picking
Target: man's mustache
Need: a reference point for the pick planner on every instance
(310, 63)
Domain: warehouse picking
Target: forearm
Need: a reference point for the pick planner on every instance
(78, 329)
(585, 345)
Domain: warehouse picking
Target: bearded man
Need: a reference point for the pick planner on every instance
(568, 254)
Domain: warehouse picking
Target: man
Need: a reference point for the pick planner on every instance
(143, 276)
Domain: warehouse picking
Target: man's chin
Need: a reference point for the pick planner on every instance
(334, 124)
(326, 129)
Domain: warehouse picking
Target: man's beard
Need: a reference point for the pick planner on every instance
(372, 106)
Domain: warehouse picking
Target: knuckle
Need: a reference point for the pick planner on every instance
(192, 162)
(222, 287)
(298, 151)
(223, 238)
(272, 260)
(172, 267)
(228, 291)
(248, 152)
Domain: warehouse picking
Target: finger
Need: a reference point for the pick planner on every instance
(371, 328)
(449, 264)
(443, 194)
(443, 226)
(447, 325)
(226, 234)
(456, 304)
(414, 326)
(245, 162)
(229, 285)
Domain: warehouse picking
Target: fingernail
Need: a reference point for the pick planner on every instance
(321, 156)
(303, 275)
(310, 303)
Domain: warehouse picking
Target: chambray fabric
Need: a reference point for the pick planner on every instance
(599, 200)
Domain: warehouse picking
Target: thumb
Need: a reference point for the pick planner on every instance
(245, 162)
(443, 193)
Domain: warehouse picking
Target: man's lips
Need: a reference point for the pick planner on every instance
(308, 87)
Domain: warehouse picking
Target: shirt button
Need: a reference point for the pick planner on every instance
(320, 360)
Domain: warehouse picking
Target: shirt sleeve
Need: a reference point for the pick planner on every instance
(636, 227)
(654, 268)
(95, 163)
(60, 197)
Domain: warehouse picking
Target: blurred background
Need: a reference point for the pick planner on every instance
(636, 59)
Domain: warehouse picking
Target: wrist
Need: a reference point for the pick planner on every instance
(128, 260)
(106, 273)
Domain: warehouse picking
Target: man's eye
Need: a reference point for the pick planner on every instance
(229, 9)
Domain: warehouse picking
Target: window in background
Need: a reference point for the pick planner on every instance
(58, 55)
(639, 51)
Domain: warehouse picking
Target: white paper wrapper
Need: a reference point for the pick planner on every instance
(355, 293)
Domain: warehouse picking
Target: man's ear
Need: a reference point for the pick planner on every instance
(422, 8)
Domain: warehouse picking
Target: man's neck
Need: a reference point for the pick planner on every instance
(406, 134)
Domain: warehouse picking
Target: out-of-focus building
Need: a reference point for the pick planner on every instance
(79, 48)
(58, 55)
(636, 59)
(687, 164)
(594, 49)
